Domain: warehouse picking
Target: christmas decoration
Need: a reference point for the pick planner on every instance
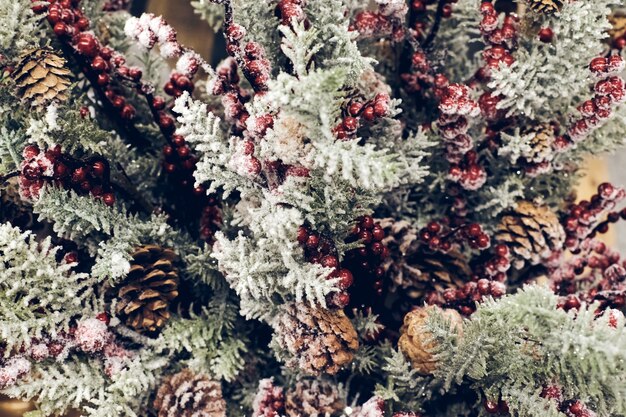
(532, 232)
(321, 340)
(151, 284)
(313, 398)
(353, 208)
(41, 76)
(187, 394)
(417, 343)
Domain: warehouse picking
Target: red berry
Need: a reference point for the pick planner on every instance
(103, 317)
(87, 45)
(345, 278)
(178, 140)
(103, 79)
(135, 73)
(446, 11)
(546, 35)
(473, 230)
(128, 112)
(491, 407)
(98, 168)
(598, 65)
(355, 108)
(158, 103)
(82, 23)
(378, 233)
(350, 124)
(367, 222)
(303, 235)
(108, 199)
(330, 261)
(79, 175)
(60, 29)
(368, 113)
(312, 241)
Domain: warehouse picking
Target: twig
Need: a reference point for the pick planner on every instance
(433, 31)
(8, 176)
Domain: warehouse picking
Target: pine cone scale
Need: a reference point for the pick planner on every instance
(151, 285)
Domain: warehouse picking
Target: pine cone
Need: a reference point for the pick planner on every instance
(531, 232)
(414, 268)
(313, 398)
(150, 286)
(546, 6)
(416, 342)
(540, 145)
(618, 21)
(187, 394)
(41, 76)
(321, 340)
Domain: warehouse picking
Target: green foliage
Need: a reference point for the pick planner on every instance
(512, 343)
(38, 295)
(19, 27)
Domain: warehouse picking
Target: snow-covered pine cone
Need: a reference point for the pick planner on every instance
(545, 6)
(415, 341)
(187, 394)
(532, 232)
(321, 340)
(313, 398)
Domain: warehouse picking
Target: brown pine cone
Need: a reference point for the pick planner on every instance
(540, 145)
(618, 21)
(41, 76)
(150, 286)
(532, 232)
(545, 6)
(321, 340)
(313, 398)
(415, 269)
(187, 394)
(415, 341)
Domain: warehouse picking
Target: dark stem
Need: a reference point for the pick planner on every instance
(8, 176)
(433, 31)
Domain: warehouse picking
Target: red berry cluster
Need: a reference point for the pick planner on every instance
(288, 10)
(387, 21)
(99, 63)
(357, 111)
(496, 407)
(115, 5)
(177, 84)
(610, 90)
(226, 84)
(251, 58)
(456, 106)
(502, 38)
(269, 400)
(586, 218)
(319, 249)
(464, 299)
(179, 160)
(422, 77)
(366, 262)
(571, 408)
(83, 176)
(442, 236)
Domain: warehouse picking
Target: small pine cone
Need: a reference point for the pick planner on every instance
(545, 6)
(540, 145)
(415, 269)
(150, 286)
(618, 23)
(532, 233)
(187, 394)
(321, 340)
(313, 398)
(416, 342)
(41, 76)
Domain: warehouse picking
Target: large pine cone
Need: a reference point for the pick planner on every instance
(416, 342)
(545, 6)
(150, 286)
(313, 398)
(187, 394)
(41, 76)
(321, 340)
(416, 270)
(532, 233)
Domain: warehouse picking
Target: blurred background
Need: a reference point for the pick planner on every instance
(195, 33)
